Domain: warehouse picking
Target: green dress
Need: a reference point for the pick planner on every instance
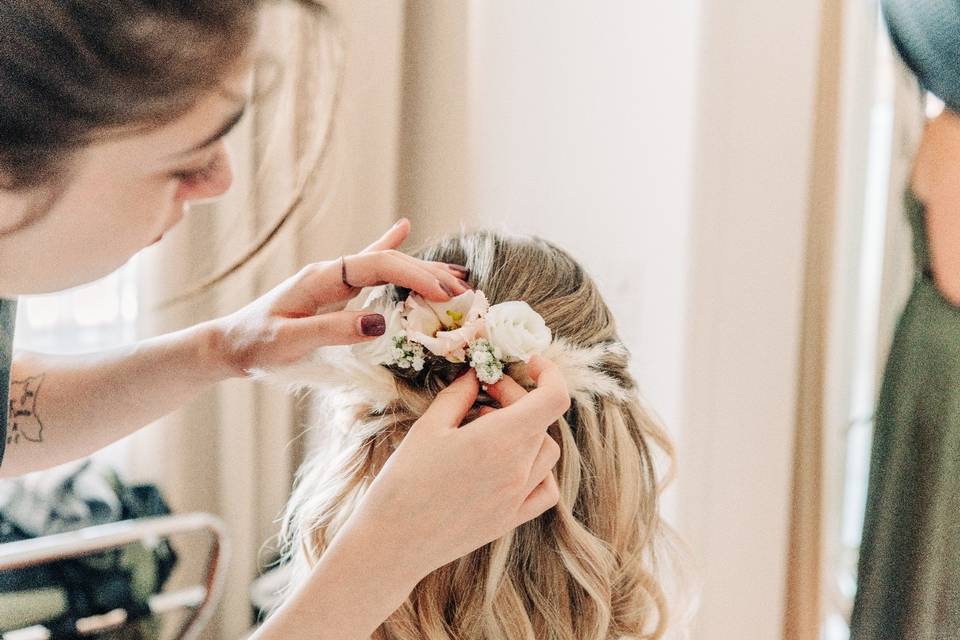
(909, 573)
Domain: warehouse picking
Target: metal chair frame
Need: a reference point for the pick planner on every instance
(201, 599)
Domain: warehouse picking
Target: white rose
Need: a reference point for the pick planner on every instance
(516, 330)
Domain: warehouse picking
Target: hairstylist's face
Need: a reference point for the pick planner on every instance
(124, 194)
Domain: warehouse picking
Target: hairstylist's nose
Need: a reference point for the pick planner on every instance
(211, 185)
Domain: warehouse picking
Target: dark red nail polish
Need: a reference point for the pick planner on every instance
(373, 324)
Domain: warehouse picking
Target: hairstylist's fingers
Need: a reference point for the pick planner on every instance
(545, 496)
(459, 271)
(390, 266)
(506, 391)
(451, 405)
(443, 271)
(536, 365)
(339, 327)
(320, 285)
(392, 238)
(537, 410)
(482, 412)
(546, 460)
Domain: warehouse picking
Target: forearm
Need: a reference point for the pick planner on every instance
(357, 584)
(66, 407)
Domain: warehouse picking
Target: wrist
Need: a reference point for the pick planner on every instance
(383, 553)
(211, 342)
(356, 585)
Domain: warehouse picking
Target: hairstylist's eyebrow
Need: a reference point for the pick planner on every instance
(224, 129)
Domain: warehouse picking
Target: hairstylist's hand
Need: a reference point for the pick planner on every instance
(446, 490)
(305, 311)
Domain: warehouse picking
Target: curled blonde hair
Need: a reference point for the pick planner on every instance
(584, 570)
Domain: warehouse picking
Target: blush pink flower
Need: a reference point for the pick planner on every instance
(453, 324)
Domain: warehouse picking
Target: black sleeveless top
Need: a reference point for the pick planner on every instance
(8, 314)
(927, 35)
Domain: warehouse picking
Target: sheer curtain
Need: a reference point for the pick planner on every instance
(234, 450)
(858, 276)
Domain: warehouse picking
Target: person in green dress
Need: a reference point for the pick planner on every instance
(908, 583)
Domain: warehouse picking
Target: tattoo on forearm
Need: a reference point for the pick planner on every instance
(24, 421)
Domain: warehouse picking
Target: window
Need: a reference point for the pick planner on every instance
(93, 317)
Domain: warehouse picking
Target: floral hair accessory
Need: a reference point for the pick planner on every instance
(466, 328)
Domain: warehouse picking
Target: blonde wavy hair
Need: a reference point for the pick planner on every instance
(586, 569)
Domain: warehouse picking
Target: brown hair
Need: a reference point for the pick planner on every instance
(74, 70)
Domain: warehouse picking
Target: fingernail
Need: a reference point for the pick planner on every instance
(398, 223)
(446, 288)
(373, 324)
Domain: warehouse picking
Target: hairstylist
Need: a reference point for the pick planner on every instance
(112, 115)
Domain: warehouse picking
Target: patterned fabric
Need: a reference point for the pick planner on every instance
(927, 35)
(8, 315)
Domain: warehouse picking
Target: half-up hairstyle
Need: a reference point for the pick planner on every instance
(587, 569)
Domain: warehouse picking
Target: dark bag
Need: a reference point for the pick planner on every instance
(123, 578)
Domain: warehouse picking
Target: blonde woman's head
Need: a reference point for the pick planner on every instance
(584, 570)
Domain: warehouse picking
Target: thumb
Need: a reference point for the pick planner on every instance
(392, 238)
(339, 327)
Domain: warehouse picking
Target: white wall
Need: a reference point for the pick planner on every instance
(754, 141)
(667, 146)
(560, 119)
